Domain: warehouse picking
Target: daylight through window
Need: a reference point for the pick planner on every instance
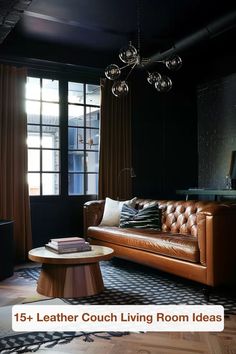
(44, 122)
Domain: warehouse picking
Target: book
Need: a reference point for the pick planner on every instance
(69, 250)
(70, 246)
(67, 240)
(73, 245)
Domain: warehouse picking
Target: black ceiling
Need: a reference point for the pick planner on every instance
(96, 29)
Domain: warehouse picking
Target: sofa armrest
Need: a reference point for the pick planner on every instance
(93, 212)
(216, 209)
(217, 242)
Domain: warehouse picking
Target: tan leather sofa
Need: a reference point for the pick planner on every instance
(197, 241)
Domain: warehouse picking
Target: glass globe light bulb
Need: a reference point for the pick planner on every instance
(174, 63)
(112, 72)
(128, 54)
(153, 77)
(164, 84)
(120, 88)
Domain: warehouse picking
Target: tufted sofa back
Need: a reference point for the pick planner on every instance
(177, 216)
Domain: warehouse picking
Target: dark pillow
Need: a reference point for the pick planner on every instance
(146, 218)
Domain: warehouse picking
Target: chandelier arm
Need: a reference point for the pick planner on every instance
(159, 61)
(146, 60)
(125, 66)
(131, 70)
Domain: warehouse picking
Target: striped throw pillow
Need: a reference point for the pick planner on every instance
(147, 218)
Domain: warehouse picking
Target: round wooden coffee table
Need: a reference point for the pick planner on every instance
(71, 274)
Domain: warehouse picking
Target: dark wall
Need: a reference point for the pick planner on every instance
(55, 217)
(191, 128)
(164, 129)
(217, 130)
(217, 121)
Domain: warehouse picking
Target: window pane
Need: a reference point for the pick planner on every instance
(92, 117)
(76, 138)
(75, 92)
(50, 113)
(92, 161)
(50, 183)
(33, 88)
(76, 161)
(50, 160)
(92, 183)
(33, 160)
(33, 112)
(76, 115)
(50, 90)
(33, 139)
(50, 137)
(76, 183)
(34, 183)
(93, 94)
(92, 139)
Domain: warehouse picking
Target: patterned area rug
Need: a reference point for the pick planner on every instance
(129, 283)
(15, 342)
(33, 341)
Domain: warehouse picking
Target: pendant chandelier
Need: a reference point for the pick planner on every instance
(132, 59)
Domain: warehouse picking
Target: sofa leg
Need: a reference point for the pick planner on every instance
(206, 293)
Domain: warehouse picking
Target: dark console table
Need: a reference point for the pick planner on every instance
(216, 193)
(6, 249)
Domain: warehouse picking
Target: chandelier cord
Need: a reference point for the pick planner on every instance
(139, 27)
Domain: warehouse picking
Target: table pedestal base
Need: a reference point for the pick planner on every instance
(68, 281)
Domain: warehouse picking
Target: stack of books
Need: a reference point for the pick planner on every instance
(68, 245)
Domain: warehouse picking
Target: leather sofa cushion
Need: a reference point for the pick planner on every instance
(159, 242)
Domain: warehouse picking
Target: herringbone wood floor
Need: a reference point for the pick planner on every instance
(14, 290)
(158, 343)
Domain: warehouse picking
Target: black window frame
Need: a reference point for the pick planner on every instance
(80, 76)
(85, 173)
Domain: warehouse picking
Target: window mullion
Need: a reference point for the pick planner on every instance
(85, 140)
(41, 137)
(63, 95)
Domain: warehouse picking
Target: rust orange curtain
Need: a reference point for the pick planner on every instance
(115, 145)
(14, 198)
